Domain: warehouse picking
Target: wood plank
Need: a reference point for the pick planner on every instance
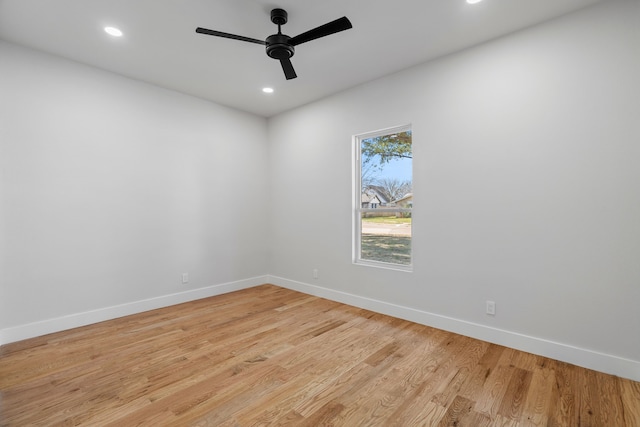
(458, 410)
(272, 356)
(495, 388)
(538, 401)
(513, 402)
(566, 396)
(630, 393)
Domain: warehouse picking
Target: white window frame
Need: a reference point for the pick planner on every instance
(357, 208)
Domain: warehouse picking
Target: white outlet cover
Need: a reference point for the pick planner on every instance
(491, 308)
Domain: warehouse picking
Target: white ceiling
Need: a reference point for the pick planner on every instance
(160, 45)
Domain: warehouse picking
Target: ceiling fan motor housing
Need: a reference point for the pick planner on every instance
(278, 46)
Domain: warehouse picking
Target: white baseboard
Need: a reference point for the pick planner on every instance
(602, 362)
(35, 329)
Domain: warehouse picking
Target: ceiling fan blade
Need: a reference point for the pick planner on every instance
(200, 30)
(332, 27)
(287, 67)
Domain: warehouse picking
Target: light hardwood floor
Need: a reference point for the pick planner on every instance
(272, 356)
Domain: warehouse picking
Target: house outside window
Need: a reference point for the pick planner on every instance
(383, 198)
(370, 200)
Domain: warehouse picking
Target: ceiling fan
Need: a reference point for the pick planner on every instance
(281, 46)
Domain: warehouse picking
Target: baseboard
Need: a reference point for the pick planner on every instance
(30, 330)
(602, 362)
(589, 359)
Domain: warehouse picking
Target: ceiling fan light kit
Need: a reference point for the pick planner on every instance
(282, 47)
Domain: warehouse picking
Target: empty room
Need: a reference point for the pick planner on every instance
(339, 213)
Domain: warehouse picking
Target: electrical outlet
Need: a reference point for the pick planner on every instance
(315, 273)
(185, 278)
(491, 308)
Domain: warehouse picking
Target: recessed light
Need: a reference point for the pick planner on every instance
(113, 31)
(267, 90)
(473, 1)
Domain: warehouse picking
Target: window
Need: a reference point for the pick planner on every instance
(383, 198)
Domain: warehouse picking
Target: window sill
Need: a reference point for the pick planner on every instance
(384, 265)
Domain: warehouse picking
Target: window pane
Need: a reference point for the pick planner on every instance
(386, 237)
(384, 175)
(386, 167)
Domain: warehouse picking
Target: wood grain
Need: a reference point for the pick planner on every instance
(272, 356)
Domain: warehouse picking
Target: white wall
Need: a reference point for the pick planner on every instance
(112, 188)
(526, 190)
